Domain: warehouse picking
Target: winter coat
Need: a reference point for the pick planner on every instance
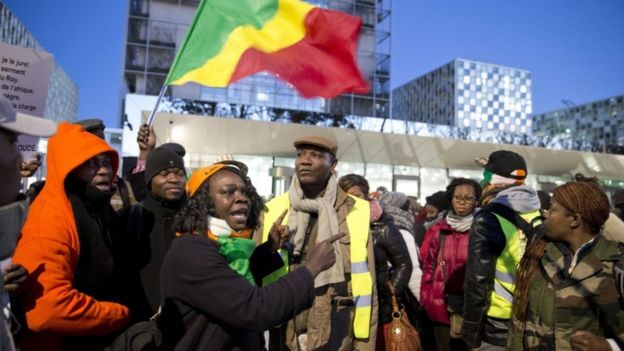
(427, 238)
(561, 303)
(148, 247)
(209, 306)
(389, 249)
(444, 269)
(137, 184)
(330, 319)
(51, 247)
(487, 242)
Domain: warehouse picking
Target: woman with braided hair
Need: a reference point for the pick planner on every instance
(568, 292)
(209, 277)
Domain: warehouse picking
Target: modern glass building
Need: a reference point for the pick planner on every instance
(468, 94)
(156, 28)
(62, 102)
(598, 123)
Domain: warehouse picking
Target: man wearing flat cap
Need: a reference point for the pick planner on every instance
(499, 235)
(94, 126)
(344, 313)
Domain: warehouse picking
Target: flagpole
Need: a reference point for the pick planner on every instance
(152, 116)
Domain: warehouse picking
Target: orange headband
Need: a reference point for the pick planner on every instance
(200, 176)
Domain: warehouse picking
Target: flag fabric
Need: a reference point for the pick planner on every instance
(311, 48)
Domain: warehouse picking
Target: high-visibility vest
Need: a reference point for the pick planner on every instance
(507, 263)
(358, 221)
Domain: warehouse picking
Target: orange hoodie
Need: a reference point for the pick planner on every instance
(49, 249)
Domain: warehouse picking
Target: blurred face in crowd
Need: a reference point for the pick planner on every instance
(463, 200)
(560, 221)
(228, 195)
(97, 171)
(431, 212)
(169, 184)
(357, 192)
(313, 165)
(10, 160)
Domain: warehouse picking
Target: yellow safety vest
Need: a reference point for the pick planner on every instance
(501, 298)
(361, 280)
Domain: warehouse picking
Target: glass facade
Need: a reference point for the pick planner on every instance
(62, 102)
(599, 124)
(156, 28)
(468, 94)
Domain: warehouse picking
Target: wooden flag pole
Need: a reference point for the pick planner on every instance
(152, 116)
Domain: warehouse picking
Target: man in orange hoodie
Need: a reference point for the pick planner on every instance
(71, 246)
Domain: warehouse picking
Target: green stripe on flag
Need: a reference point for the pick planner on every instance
(211, 26)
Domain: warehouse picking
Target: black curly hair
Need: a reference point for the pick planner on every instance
(450, 189)
(193, 217)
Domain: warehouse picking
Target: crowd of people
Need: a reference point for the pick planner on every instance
(166, 259)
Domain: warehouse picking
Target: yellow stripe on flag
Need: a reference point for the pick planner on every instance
(286, 28)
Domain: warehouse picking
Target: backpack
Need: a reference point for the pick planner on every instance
(532, 230)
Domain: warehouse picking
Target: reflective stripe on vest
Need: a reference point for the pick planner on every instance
(501, 298)
(358, 221)
(361, 279)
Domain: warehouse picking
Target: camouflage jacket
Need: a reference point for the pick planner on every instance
(561, 303)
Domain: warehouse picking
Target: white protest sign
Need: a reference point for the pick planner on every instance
(24, 79)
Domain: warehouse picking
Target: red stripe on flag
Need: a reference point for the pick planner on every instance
(322, 64)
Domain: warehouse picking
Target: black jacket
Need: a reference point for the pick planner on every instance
(148, 246)
(389, 248)
(487, 242)
(138, 185)
(98, 272)
(208, 306)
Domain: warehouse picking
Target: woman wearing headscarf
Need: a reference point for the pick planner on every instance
(568, 293)
(208, 278)
(444, 264)
(389, 249)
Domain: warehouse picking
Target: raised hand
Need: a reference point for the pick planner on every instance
(279, 233)
(146, 138)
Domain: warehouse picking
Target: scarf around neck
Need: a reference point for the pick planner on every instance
(299, 218)
(236, 247)
(459, 223)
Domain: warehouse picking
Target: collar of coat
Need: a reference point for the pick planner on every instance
(557, 259)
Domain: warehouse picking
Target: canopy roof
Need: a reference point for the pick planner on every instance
(218, 135)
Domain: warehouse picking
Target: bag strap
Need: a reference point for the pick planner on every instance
(442, 237)
(395, 304)
(514, 218)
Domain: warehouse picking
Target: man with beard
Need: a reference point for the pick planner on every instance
(71, 246)
(344, 313)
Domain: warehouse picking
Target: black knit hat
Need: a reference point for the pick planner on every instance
(175, 147)
(438, 200)
(506, 164)
(159, 159)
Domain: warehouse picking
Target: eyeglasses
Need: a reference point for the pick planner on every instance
(464, 198)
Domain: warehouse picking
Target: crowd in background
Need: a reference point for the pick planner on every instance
(164, 259)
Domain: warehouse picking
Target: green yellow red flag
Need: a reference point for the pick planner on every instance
(309, 47)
